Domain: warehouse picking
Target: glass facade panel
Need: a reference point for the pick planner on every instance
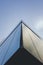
(32, 43)
(10, 46)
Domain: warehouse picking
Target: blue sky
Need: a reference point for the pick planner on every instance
(13, 11)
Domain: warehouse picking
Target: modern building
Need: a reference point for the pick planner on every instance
(21, 47)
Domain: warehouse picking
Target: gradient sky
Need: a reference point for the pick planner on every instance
(13, 11)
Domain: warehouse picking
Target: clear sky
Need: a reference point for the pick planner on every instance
(13, 11)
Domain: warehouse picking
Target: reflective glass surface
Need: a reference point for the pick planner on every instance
(10, 46)
(32, 43)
